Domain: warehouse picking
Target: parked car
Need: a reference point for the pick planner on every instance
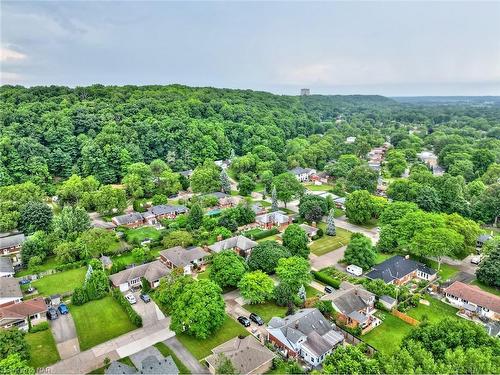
(244, 321)
(328, 289)
(257, 319)
(24, 281)
(145, 298)
(52, 314)
(63, 309)
(475, 259)
(130, 297)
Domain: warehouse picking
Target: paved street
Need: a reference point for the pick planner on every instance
(185, 356)
(64, 331)
(119, 347)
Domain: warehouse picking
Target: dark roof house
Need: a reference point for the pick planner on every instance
(400, 269)
(180, 257)
(6, 267)
(238, 242)
(11, 242)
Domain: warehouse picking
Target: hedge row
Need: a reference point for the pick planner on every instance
(39, 327)
(133, 316)
(326, 279)
(70, 266)
(264, 234)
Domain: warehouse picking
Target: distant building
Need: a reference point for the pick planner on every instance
(303, 174)
(10, 245)
(350, 140)
(305, 92)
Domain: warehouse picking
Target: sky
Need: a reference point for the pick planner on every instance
(406, 48)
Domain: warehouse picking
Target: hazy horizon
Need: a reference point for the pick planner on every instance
(394, 49)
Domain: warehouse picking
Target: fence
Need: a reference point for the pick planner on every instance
(353, 340)
(405, 318)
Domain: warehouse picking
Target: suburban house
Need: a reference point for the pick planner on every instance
(187, 259)
(247, 355)
(240, 244)
(223, 200)
(482, 239)
(132, 220)
(274, 219)
(152, 364)
(303, 174)
(399, 270)
(18, 314)
(320, 178)
(224, 164)
(11, 245)
(305, 334)
(310, 230)
(355, 306)
(163, 211)
(428, 158)
(340, 202)
(132, 277)
(10, 291)
(6, 267)
(473, 301)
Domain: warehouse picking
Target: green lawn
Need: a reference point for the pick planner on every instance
(312, 292)
(329, 243)
(387, 336)
(49, 264)
(445, 272)
(264, 203)
(486, 288)
(99, 321)
(324, 187)
(435, 312)
(382, 257)
(202, 348)
(166, 351)
(267, 310)
(139, 234)
(43, 349)
(60, 282)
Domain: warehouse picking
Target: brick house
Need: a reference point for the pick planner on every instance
(277, 219)
(163, 211)
(399, 270)
(132, 277)
(18, 314)
(132, 220)
(240, 244)
(187, 259)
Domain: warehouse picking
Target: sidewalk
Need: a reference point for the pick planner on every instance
(119, 347)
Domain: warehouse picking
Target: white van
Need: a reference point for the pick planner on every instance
(354, 270)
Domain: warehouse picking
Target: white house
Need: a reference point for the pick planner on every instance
(473, 300)
(303, 174)
(132, 277)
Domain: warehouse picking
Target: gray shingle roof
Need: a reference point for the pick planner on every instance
(150, 271)
(153, 365)
(12, 241)
(240, 242)
(9, 288)
(273, 217)
(350, 299)
(128, 218)
(387, 299)
(6, 265)
(396, 268)
(181, 257)
(164, 209)
(246, 354)
(120, 368)
(300, 170)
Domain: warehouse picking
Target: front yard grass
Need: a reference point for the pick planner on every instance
(486, 288)
(324, 187)
(267, 310)
(202, 348)
(61, 282)
(387, 336)
(329, 243)
(166, 351)
(445, 272)
(43, 350)
(99, 321)
(435, 312)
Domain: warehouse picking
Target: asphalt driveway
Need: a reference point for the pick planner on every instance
(64, 331)
(149, 312)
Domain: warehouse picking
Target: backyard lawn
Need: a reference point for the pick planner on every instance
(445, 272)
(324, 187)
(139, 234)
(382, 257)
(486, 288)
(267, 310)
(329, 243)
(99, 321)
(43, 349)
(387, 336)
(166, 351)
(202, 348)
(312, 292)
(49, 264)
(435, 312)
(60, 282)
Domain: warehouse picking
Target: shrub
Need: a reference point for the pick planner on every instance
(264, 234)
(39, 327)
(320, 233)
(132, 315)
(70, 266)
(324, 278)
(79, 296)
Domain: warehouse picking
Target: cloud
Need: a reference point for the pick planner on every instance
(10, 78)
(8, 54)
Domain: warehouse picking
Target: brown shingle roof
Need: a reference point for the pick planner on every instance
(23, 309)
(475, 295)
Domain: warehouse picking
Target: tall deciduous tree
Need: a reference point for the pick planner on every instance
(227, 268)
(359, 207)
(294, 272)
(256, 287)
(295, 240)
(71, 222)
(246, 185)
(35, 216)
(360, 251)
(265, 256)
(362, 178)
(199, 310)
(206, 178)
(287, 187)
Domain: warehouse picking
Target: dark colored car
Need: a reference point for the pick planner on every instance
(244, 321)
(145, 298)
(24, 281)
(63, 309)
(52, 314)
(328, 289)
(257, 319)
